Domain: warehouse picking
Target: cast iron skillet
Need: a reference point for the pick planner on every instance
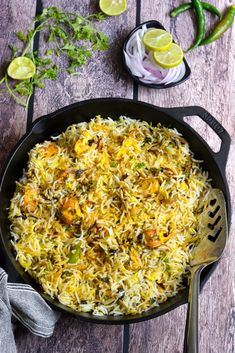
(54, 123)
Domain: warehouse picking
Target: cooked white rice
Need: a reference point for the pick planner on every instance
(105, 215)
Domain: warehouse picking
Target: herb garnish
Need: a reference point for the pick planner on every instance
(68, 34)
(140, 165)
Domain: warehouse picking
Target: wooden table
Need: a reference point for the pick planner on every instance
(212, 86)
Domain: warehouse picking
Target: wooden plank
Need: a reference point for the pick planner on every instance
(103, 76)
(73, 336)
(12, 116)
(211, 86)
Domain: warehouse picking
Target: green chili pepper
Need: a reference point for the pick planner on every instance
(201, 28)
(221, 27)
(185, 7)
(75, 254)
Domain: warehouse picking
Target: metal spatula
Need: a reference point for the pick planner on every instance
(208, 251)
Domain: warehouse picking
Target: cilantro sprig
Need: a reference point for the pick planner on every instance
(69, 35)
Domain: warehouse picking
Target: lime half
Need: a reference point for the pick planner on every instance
(171, 57)
(157, 39)
(21, 68)
(113, 7)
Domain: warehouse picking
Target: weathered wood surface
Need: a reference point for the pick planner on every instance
(73, 336)
(212, 85)
(103, 76)
(12, 116)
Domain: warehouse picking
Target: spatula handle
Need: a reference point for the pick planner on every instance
(191, 329)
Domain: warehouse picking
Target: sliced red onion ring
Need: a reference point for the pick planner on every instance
(181, 73)
(149, 66)
(138, 64)
(129, 46)
(134, 71)
(143, 31)
(140, 47)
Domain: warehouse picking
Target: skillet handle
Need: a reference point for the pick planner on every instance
(221, 156)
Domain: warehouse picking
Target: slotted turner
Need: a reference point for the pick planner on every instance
(209, 250)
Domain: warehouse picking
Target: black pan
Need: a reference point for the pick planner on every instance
(54, 123)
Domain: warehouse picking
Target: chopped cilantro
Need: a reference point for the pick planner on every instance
(140, 165)
(68, 34)
(113, 164)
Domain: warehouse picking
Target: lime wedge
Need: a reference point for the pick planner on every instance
(171, 57)
(113, 7)
(21, 68)
(157, 39)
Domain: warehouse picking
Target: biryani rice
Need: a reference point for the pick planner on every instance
(106, 214)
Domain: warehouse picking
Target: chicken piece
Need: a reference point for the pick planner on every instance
(127, 144)
(83, 143)
(62, 173)
(149, 239)
(29, 203)
(50, 150)
(165, 236)
(150, 186)
(163, 195)
(80, 147)
(70, 210)
(184, 186)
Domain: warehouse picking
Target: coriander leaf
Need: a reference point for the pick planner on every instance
(49, 51)
(41, 17)
(77, 56)
(73, 36)
(113, 164)
(14, 51)
(86, 32)
(42, 61)
(140, 165)
(39, 84)
(59, 33)
(24, 88)
(50, 73)
(30, 35)
(51, 37)
(76, 25)
(21, 36)
(68, 46)
(58, 52)
(100, 41)
(100, 16)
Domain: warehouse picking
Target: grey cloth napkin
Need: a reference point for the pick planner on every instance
(27, 306)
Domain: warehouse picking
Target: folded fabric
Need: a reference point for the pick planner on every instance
(27, 306)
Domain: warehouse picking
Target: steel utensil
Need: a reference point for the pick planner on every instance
(209, 250)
